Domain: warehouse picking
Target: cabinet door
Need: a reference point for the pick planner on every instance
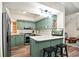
(12, 41)
(20, 25)
(42, 45)
(36, 24)
(21, 39)
(56, 41)
(49, 22)
(18, 40)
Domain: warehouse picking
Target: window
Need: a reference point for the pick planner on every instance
(13, 27)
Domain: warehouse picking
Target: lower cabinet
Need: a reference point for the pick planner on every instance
(17, 40)
(13, 41)
(22, 39)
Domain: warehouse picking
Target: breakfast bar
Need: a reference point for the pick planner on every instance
(40, 42)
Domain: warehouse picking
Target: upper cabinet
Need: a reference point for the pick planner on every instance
(41, 24)
(47, 23)
(21, 24)
(54, 21)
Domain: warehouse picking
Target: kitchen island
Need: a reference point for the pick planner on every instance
(40, 42)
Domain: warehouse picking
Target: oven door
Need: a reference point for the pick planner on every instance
(27, 38)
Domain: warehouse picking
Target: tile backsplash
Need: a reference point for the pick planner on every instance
(45, 32)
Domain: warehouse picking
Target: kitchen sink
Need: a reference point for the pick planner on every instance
(35, 35)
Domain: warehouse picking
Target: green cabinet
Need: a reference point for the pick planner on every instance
(50, 22)
(42, 45)
(45, 23)
(22, 39)
(21, 24)
(13, 41)
(17, 40)
(56, 41)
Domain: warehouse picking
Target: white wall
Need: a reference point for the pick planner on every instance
(0, 29)
(60, 20)
(71, 25)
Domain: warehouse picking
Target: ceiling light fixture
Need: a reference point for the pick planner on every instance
(46, 13)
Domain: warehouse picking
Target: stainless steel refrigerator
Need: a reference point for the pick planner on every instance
(6, 34)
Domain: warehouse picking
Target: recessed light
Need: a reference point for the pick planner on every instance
(77, 13)
(24, 12)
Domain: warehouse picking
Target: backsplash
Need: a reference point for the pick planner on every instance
(45, 32)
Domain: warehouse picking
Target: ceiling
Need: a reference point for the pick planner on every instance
(28, 10)
(70, 7)
(33, 10)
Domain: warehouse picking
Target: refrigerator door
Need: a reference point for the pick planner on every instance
(6, 35)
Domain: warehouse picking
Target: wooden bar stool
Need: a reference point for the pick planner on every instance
(61, 46)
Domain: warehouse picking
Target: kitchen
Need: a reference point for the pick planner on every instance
(34, 26)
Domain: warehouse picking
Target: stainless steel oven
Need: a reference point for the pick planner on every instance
(27, 38)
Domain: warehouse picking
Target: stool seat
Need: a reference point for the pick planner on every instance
(61, 45)
(49, 50)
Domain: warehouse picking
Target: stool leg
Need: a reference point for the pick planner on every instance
(49, 54)
(43, 53)
(61, 51)
(56, 51)
(66, 51)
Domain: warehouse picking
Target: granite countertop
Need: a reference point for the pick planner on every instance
(44, 38)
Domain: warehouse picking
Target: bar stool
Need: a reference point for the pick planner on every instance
(61, 46)
(49, 51)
